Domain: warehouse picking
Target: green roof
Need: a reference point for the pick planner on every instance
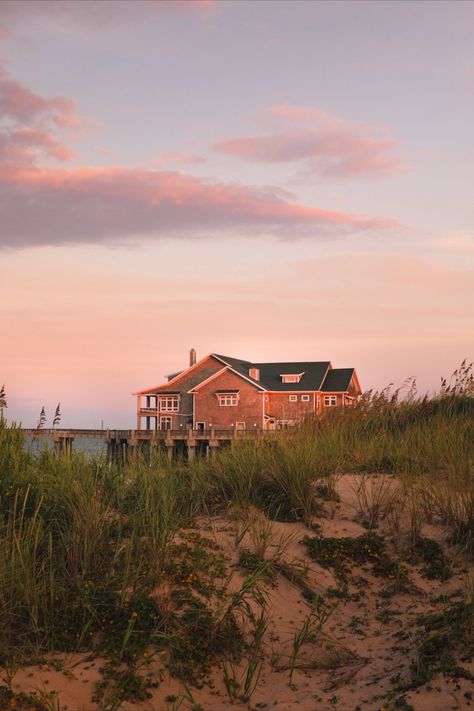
(270, 373)
(338, 380)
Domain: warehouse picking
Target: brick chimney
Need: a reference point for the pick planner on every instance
(192, 357)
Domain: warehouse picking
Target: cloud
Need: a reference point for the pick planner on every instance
(30, 124)
(321, 144)
(42, 204)
(54, 205)
(19, 103)
(26, 144)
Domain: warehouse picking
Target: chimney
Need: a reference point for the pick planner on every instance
(192, 357)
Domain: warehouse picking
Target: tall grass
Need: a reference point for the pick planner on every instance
(84, 545)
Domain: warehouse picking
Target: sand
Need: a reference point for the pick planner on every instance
(358, 661)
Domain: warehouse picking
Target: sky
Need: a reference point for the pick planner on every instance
(275, 181)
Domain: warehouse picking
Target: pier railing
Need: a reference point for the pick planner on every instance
(133, 434)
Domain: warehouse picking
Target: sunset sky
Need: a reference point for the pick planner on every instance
(268, 180)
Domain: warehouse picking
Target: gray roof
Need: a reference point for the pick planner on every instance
(270, 373)
(338, 380)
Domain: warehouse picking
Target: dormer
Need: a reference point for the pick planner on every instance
(291, 377)
(254, 373)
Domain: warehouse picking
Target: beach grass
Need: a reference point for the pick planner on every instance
(106, 558)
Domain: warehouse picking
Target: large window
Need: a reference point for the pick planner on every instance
(330, 400)
(228, 399)
(169, 403)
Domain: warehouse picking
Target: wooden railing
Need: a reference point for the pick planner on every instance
(109, 434)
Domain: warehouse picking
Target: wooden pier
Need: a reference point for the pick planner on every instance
(187, 443)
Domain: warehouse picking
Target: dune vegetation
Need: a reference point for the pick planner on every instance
(328, 567)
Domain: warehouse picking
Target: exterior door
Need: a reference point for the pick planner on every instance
(165, 422)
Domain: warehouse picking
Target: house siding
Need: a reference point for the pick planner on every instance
(182, 385)
(249, 409)
(281, 407)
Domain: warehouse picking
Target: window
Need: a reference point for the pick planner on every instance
(305, 398)
(169, 403)
(165, 423)
(293, 398)
(228, 400)
(240, 426)
(254, 373)
(291, 377)
(330, 400)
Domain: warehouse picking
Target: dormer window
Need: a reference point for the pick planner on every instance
(254, 373)
(291, 377)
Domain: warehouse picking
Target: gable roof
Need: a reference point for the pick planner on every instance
(338, 380)
(270, 373)
(226, 369)
(173, 377)
(316, 375)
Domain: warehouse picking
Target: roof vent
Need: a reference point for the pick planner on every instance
(254, 373)
(192, 357)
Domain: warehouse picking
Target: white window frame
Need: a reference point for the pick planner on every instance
(330, 400)
(169, 403)
(291, 377)
(240, 426)
(228, 399)
(305, 398)
(166, 419)
(293, 398)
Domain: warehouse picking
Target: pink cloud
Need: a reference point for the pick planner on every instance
(27, 140)
(322, 145)
(21, 104)
(53, 205)
(27, 132)
(49, 205)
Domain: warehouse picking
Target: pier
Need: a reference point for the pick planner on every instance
(186, 443)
